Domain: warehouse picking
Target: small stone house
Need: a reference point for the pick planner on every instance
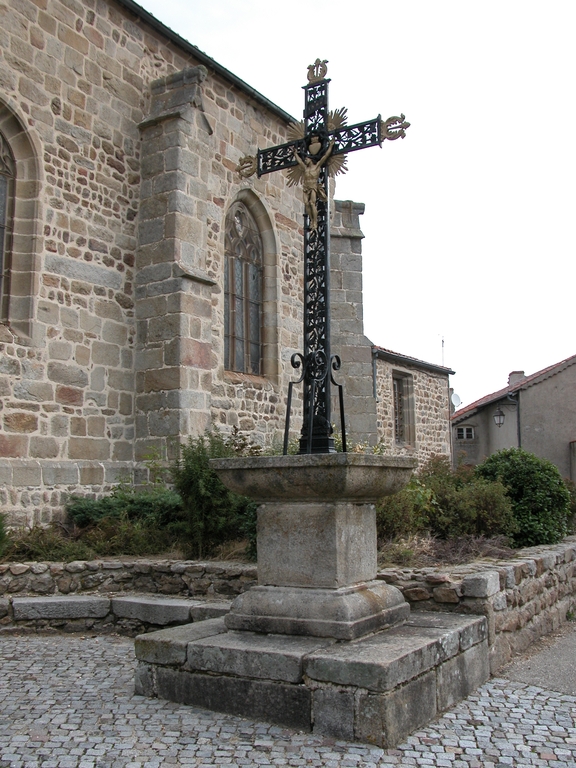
(535, 412)
(147, 290)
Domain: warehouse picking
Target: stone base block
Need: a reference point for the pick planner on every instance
(377, 689)
(344, 614)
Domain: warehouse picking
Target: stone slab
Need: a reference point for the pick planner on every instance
(386, 719)
(60, 607)
(286, 704)
(168, 646)
(471, 629)
(344, 614)
(212, 610)
(153, 610)
(458, 677)
(390, 658)
(251, 655)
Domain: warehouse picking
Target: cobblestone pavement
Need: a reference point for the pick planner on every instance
(68, 702)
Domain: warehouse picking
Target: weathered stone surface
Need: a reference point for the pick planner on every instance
(210, 610)
(153, 610)
(340, 477)
(315, 544)
(333, 712)
(461, 675)
(386, 660)
(168, 646)
(385, 719)
(257, 699)
(60, 607)
(344, 614)
(481, 584)
(250, 655)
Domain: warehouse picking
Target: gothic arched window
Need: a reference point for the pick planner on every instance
(242, 292)
(7, 175)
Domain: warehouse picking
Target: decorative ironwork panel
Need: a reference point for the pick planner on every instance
(316, 107)
(276, 158)
(352, 137)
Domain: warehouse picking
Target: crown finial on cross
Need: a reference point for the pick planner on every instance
(317, 71)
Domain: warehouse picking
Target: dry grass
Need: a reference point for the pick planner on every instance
(422, 551)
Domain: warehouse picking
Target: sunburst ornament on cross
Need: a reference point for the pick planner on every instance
(317, 150)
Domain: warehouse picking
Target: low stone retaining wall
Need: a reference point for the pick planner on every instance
(165, 577)
(522, 598)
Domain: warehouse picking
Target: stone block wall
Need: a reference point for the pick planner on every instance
(522, 599)
(164, 577)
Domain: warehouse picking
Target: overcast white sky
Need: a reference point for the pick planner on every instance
(469, 221)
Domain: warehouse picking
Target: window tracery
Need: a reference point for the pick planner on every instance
(7, 176)
(242, 292)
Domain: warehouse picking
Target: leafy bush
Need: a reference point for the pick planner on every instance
(406, 512)
(540, 500)
(447, 503)
(109, 536)
(215, 514)
(154, 506)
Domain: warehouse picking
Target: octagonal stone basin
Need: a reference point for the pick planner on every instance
(345, 477)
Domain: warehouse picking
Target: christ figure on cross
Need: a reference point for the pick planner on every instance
(313, 189)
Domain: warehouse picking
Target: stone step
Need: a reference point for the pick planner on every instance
(377, 689)
(153, 610)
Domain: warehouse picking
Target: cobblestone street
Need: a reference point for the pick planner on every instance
(68, 702)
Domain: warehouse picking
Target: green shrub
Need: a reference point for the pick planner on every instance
(405, 513)
(447, 503)
(52, 543)
(215, 514)
(154, 505)
(540, 500)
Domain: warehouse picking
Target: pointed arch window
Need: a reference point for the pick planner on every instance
(243, 292)
(7, 177)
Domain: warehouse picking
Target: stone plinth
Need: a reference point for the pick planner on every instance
(377, 689)
(317, 556)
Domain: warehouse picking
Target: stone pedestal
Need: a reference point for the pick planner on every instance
(317, 554)
(310, 652)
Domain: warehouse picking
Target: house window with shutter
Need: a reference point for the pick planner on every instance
(404, 421)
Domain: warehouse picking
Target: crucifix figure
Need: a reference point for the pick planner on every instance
(316, 151)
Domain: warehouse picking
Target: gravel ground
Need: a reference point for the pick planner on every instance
(67, 702)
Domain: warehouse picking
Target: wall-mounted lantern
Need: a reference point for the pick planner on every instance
(499, 417)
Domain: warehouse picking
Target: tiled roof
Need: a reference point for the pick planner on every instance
(407, 360)
(527, 381)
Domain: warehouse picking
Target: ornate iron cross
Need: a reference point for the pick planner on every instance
(317, 150)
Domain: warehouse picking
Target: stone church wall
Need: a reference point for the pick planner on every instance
(114, 335)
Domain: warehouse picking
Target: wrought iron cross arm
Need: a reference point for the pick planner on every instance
(277, 158)
(359, 136)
